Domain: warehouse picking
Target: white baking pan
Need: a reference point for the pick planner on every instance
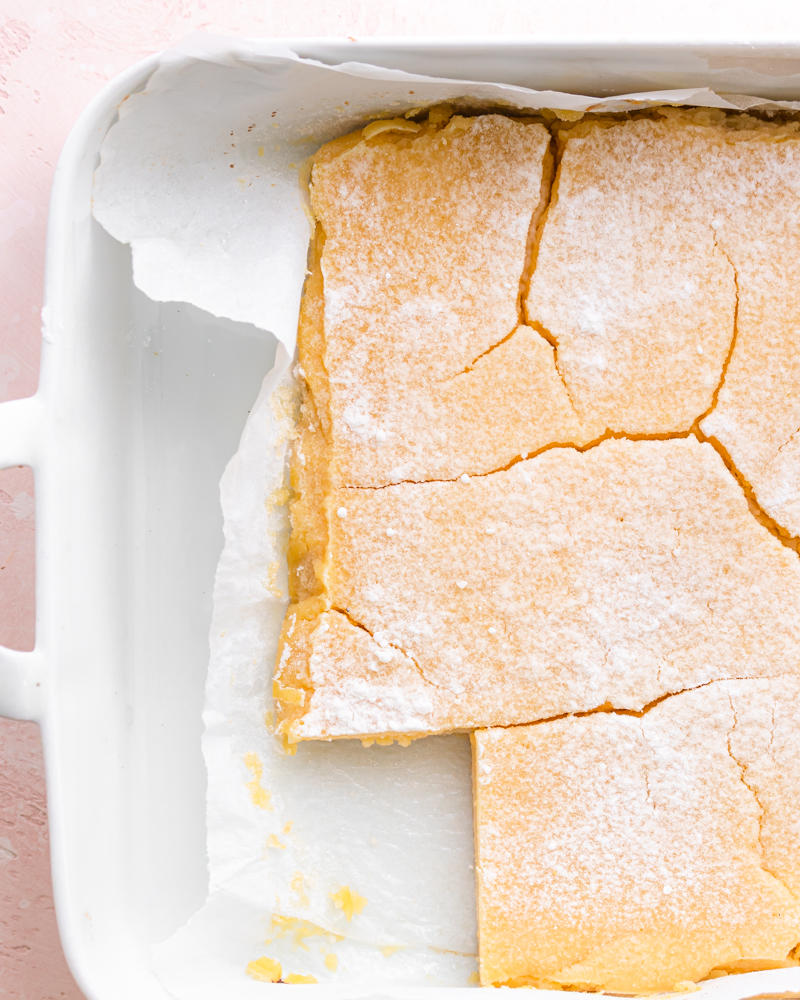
(139, 409)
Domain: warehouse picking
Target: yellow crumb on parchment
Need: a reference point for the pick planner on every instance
(272, 841)
(389, 949)
(259, 796)
(348, 901)
(264, 970)
(268, 970)
(331, 962)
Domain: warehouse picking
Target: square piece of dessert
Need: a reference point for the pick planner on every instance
(413, 349)
(666, 278)
(634, 854)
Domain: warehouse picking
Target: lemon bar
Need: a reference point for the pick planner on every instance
(414, 354)
(569, 581)
(641, 854)
(666, 276)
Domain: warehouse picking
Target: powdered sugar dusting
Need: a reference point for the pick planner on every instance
(425, 247)
(617, 575)
(626, 853)
(669, 244)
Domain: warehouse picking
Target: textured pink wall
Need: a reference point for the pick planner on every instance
(53, 58)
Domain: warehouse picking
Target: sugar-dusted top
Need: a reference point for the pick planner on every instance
(631, 854)
(666, 269)
(426, 240)
(616, 575)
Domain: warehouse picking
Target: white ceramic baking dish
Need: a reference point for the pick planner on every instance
(140, 407)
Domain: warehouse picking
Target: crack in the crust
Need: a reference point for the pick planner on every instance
(531, 246)
(648, 793)
(608, 435)
(785, 443)
(608, 709)
(549, 192)
(754, 792)
(754, 506)
(551, 340)
(357, 624)
(534, 240)
(734, 332)
(493, 347)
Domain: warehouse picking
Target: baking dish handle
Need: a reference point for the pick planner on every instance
(21, 694)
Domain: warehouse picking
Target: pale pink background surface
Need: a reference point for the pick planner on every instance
(53, 58)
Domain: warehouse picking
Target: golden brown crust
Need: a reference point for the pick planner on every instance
(311, 333)
(310, 471)
(310, 484)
